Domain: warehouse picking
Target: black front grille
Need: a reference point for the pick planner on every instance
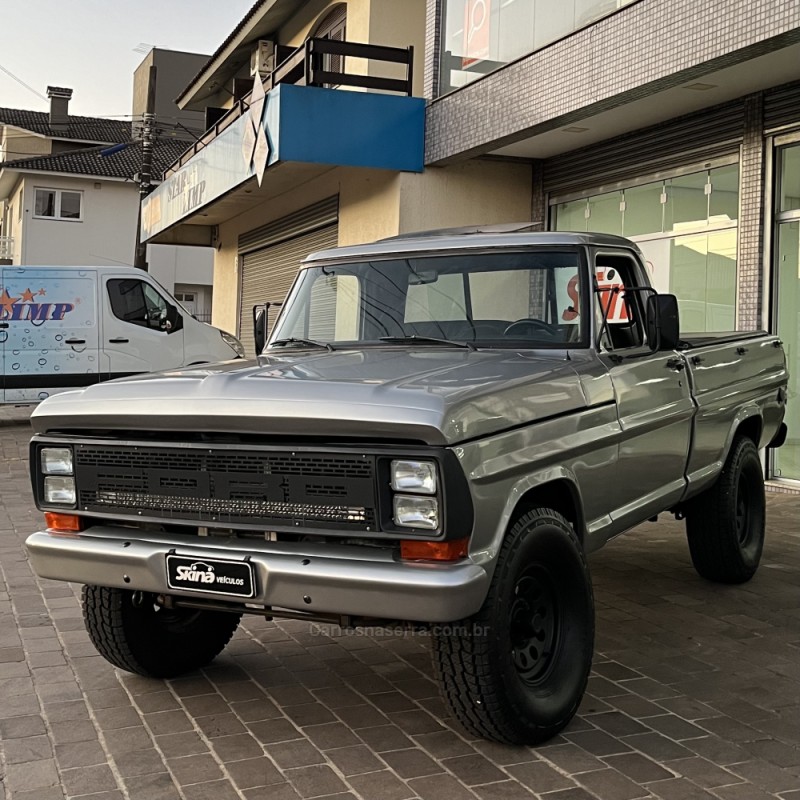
(270, 488)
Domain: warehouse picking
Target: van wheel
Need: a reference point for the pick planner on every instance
(725, 525)
(133, 633)
(517, 670)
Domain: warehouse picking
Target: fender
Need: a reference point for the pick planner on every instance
(704, 477)
(531, 481)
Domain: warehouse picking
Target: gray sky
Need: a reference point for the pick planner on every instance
(88, 46)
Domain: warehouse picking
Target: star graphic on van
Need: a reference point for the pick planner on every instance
(28, 296)
(41, 292)
(6, 301)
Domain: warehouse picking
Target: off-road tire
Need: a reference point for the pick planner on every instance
(133, 633)
(725, 525)
(516, 671)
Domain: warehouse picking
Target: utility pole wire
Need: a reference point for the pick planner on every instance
(22, 83)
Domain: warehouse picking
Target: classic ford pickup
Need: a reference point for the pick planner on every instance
(438, 431)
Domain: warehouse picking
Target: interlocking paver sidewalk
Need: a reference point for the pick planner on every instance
(695, 693)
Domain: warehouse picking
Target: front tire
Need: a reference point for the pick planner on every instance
(133, 633)
(517, 670)
(725, 525)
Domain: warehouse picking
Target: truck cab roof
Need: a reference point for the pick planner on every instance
(514, 235)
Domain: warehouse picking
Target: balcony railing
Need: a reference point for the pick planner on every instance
(6, 247)
(309, 65)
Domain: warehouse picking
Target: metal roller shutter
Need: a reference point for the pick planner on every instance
(714, 132)
(268, 273)
(782, 107)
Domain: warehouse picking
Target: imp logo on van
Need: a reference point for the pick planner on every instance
(23, 309)
(196, 573)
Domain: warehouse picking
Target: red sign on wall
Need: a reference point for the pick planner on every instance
(476, 31)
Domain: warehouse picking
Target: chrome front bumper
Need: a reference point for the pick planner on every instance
(329, 579)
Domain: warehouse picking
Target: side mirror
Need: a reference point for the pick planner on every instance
(172, 320)
(260, 327)
(663, 328)
(261, 323)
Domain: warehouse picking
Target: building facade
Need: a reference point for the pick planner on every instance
(68, 184)
(315, 163)
(675, 124)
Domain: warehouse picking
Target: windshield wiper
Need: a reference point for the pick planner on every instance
(426, 340)
(302, 342)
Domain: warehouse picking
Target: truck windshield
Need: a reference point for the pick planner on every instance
(496, 299)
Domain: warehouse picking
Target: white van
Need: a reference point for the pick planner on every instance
(64, 327)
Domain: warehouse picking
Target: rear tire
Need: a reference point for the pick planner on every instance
(517, 670)
(133, 633)
(725, 525)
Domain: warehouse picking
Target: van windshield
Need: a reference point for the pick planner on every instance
(497, 299)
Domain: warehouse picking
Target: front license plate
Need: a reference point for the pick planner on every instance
(212, 575)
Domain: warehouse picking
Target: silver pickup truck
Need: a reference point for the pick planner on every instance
(438, 431)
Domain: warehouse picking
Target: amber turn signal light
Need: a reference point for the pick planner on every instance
(63, 522)
(434, 551)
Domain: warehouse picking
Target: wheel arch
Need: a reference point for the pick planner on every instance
(561, 493)
(748, 423)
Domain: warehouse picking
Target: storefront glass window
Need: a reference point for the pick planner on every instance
(703, 276)
(684, 252)
(687, 202)
(787, 293)
(551, 22)
(790, 179)
(605, 213)
(723, 202)
(644, 211)
(479, 36)
(571, 216)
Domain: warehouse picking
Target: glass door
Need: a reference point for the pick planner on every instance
(786, 460)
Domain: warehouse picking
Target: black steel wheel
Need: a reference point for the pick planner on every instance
(516, 671)
(135, 634)
(726, 524)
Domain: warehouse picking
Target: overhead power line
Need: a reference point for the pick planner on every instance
(22, 83)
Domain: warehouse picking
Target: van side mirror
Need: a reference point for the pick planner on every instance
(172, 320)
(663, 327)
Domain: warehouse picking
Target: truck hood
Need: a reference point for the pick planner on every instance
(431, 395)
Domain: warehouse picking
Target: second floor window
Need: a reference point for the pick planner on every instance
(58, 204)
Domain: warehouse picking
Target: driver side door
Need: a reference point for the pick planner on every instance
(138, 332)
(654, 402)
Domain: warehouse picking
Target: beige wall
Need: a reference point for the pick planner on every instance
(368, 210)
(374, 204)
(383, 22)
(398, 25)
(17, 144)
(472, 193)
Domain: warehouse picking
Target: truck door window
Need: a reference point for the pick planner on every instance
(137, 302)
(622, 311)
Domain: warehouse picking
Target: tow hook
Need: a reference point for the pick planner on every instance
(138, 599)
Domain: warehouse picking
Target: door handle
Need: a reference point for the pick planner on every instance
(74, 341)
(3, 324)
(676, 363)
(119, 340)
